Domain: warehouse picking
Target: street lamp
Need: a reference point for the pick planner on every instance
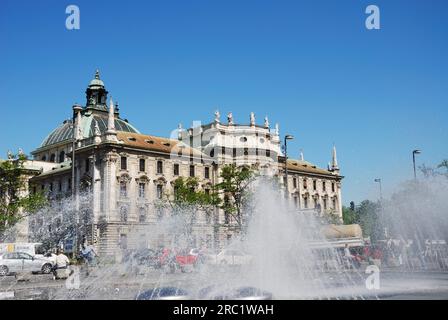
(381, 193)
(413, 160)
(287, 137)
(378, 180)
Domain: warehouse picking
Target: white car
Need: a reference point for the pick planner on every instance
(232, 257)
(15, 262)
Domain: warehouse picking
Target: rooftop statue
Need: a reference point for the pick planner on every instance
(230, 118)
(266, 122)
(217, 116)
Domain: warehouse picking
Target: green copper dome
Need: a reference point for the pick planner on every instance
(95, 112)
(64, 133)
(96, 82)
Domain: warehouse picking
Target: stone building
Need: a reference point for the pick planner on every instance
(124, 172)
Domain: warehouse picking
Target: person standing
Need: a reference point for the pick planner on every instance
(89, 255)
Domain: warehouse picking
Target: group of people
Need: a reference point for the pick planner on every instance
(398, 253)
(62, 262)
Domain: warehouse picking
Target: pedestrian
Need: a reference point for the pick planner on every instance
(89, 255)
(347, 256)
(62, 262)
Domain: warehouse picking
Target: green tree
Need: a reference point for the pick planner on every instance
(236, 192)
(444, 165)
(15, 204)
(349, 216)
(187, 201)
(433, 172)
(368, 216)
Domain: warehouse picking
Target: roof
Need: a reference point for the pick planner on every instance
(60, 168)
(159, 144)
(64, 133)
(305, 166)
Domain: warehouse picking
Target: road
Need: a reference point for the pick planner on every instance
(121, 283)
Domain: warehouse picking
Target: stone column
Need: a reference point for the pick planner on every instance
(339, 186)
(96, 188)
(110, 186)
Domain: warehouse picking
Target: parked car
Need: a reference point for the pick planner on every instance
(231, 257)
(177, 259)
(15, 262)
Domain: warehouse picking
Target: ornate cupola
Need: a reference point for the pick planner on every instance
(96, 94)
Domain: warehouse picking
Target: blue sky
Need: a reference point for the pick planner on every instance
(312, 66)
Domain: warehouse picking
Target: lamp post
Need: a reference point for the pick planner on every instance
(413, 161)
(378, 180)
(381, 193)
(287, 137)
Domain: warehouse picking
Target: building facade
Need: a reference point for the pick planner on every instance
(125, 172)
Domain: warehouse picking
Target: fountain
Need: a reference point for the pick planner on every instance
(285, 262)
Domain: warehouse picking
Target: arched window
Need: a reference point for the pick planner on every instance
(52, 157)
(44, 158)
(61, 156)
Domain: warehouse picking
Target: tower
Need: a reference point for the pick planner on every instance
(96, 94)
(334, 161)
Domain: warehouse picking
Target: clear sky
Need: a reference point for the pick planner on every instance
(312, 66)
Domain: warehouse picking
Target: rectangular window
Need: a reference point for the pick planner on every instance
(142, 215)
(123, 241)
(176, 169)
(87, 165)
(234, 152)
(159, 167)
(304, 184)
(141, 190)
(332, 186)
(191, 171)
(305, 203)
(69, 185)
(60, 186)
(334, 203)
(124, 163)
(159, 191)
(314, 184)
(268, 153)
(325, 204)
(323, 186)
(207, 173)
(142, 165)
(294, 182)
(124, 214)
